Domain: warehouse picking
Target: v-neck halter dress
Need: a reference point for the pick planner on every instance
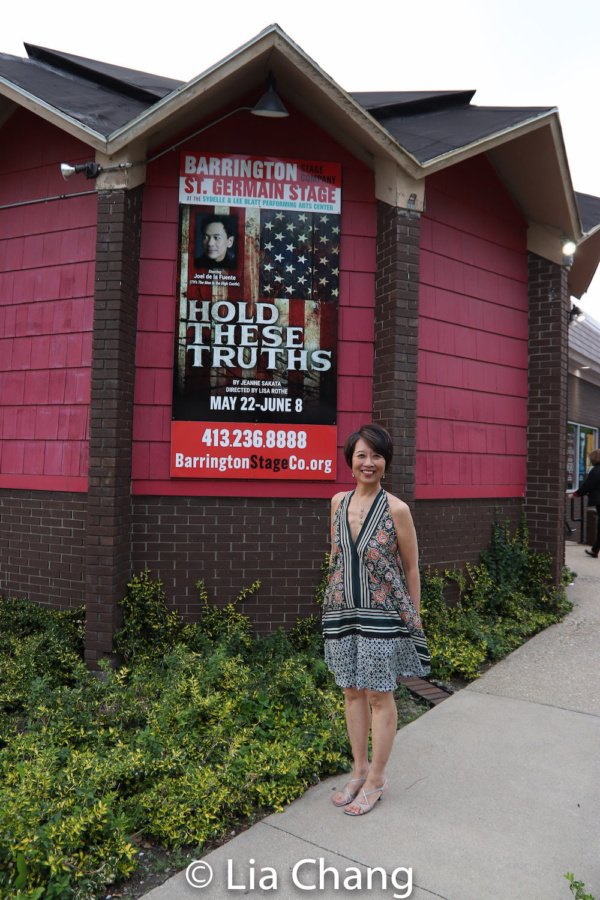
(372, 631)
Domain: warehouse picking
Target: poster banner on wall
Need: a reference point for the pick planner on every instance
(257, 313)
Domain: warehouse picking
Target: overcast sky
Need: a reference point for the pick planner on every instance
(513, 52)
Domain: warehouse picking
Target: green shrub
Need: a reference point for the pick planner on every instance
(148, 626)
(35, 643)
(502, 602)
(205, 725)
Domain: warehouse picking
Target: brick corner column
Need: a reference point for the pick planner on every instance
(547, 407)
(109, 516)
(396, 340)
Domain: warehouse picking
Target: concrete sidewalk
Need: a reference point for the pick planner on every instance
(494, 794)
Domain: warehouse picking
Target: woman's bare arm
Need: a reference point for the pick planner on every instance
(335, 502)
(407, 544)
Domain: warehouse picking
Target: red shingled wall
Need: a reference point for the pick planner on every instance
(46, 307)
(473, 332)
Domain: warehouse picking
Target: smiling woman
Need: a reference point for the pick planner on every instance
(371, 622)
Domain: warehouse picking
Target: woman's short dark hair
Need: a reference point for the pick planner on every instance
(376, 437)
(595, 456)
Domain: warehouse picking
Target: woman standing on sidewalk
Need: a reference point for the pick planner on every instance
(371, 623)
(591, 486)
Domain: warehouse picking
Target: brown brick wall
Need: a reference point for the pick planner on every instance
(230, 543)
(547, 408)
(42, 536)
(396, 340)
(108, 558)
(454, 532)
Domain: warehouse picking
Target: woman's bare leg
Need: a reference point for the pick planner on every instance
(384, 725)
(358, 720)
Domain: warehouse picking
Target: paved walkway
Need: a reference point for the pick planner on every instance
(494, 794)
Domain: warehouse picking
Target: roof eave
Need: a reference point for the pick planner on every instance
(483, 145)
(51, 114)
(585, 263)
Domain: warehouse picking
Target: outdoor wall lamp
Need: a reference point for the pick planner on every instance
(576, 315)
(568, 248)
(90, 169)
(270, 105)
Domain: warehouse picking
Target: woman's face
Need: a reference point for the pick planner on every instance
(368, 465)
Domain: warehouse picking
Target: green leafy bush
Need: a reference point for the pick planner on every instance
(502, 602)
(204, 725)
(35, 643)
(149, 627)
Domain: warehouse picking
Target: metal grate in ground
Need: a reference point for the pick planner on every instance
(423, 689)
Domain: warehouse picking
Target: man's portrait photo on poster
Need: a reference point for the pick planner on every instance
(215, 242)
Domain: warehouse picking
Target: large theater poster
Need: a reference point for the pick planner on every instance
(256, 350)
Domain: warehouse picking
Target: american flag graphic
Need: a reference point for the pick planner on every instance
(300, 256)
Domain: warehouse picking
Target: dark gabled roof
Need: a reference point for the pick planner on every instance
(120, 111)
(589, 211)
(100, 96)
(140, 85)
(431, 124)
(382, 103)
(104, 98)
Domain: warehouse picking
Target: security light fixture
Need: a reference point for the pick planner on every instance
(89, 169)
(569, 247)
(576, 315)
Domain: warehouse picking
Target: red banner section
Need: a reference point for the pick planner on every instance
(242, 450)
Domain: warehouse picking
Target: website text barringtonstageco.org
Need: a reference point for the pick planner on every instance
(252, 463)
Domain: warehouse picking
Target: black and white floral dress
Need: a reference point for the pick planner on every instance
(373, 633)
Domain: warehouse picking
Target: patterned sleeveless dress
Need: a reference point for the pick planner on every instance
(372, 632)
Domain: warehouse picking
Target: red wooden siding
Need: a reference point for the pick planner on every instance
(47, 256)
(296, 138)
(472, 383)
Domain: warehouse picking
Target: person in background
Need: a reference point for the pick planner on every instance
(591, 488)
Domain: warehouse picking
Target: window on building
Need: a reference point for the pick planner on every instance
(581, 440)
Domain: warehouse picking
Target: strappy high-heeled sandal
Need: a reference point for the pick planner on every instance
(346, 793)
(366, 807)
